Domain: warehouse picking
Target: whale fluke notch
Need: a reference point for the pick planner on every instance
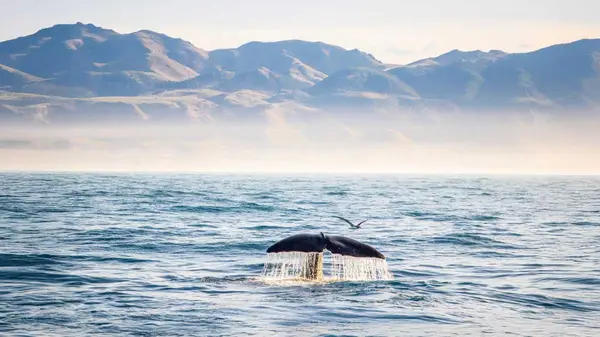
(316, 243)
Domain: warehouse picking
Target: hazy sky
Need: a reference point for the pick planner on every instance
(394, 31)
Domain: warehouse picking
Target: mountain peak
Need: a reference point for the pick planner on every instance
(87, 60)
(67, 29)
(62, 33)
(296, 58)
(87, 56)
(457, 55)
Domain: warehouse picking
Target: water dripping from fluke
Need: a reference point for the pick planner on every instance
(293, 265)
(300, 258)
(350, 268)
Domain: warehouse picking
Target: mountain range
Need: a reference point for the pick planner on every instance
(69, 67)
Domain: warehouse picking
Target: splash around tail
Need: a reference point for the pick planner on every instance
(300, 258)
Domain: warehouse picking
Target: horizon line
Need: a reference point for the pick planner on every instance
(298, 173)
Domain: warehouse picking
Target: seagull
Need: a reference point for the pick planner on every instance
(350, 223)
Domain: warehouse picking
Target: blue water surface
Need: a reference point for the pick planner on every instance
(181, 255)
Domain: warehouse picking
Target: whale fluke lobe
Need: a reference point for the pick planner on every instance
(306, 243)
(350, 247)
(311, 243)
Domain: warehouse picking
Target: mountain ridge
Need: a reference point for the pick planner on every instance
(83, 61)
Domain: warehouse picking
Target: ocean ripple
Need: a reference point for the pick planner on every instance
(181, 255)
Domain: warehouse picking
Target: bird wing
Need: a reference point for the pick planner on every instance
(362, 222)
(348, 221)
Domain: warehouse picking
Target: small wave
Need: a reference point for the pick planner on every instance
(30, 260)
(471, 284)
(264, 227)
(528, 300)
(15, 209)
(484, 218)
(312, 202)
(49, 277)
(542, 265)
(261, 196)
(535, 300)
(430, 216)
(203, 209)
(399, 241)
(586, 223)
(343, 314)
(117, 259)
(241, 246)
(158, 246)
(246, 207)
(404, 298)
(26, 260)
(337, 193)
(160, 193)
(203, 225)
(466, 239)
(117, 234)
(417, 214)
(251, 206)
(89, 193)
(417, 273)
(51, 210)
(495, 254)
(220, 280)
(573, 280)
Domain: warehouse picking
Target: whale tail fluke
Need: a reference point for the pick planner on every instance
(311, 243)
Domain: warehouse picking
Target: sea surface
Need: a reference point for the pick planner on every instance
(182, 255)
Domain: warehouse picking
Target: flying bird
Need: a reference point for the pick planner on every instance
(350, 223)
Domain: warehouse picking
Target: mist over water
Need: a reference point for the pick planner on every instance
(182, 255)
(285, 140)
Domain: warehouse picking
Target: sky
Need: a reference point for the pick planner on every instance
(393, 31)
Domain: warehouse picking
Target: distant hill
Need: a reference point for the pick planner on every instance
(102, 61)
(76, 65)
(560, 76)
(283, 65)
(457, 56)
(362, 80)
(454, 76)
(566, 75)
(292, 54)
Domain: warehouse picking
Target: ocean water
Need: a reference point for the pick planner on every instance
(181, 255)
